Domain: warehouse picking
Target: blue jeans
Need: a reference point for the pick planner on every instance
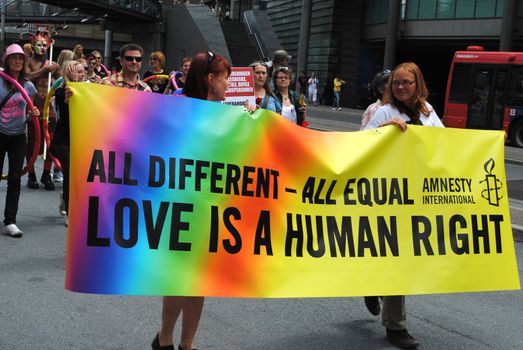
(336, 99)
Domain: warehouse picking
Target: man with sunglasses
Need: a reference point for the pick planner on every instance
(98, 61)
(131, 62)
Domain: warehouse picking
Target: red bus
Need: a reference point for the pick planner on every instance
(485, 91)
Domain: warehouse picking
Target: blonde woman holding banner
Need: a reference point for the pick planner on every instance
(404, 102)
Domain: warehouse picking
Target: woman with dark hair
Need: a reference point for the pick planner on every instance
(184, 68)
(404, 102)
(378, 86)
(207, 79)
(265, 98)
(91, 70)
(291, 108)
(13, 109)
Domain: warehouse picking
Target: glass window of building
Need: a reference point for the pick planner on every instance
(499, 8)
(445, 9)
(485, 8)
(412, 9)
(465, 8)
(376, 11)
(427, 9)
(384, 11)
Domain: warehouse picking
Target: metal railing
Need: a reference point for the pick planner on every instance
(27, 8)
(147, 7)
(254, 34)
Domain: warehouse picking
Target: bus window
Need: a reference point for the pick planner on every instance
(460, 79)
(479, 99)
(487, 103)
(498, 102)
(515, 92)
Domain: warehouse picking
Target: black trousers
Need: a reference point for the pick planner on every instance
(62, 153)
(16, 148)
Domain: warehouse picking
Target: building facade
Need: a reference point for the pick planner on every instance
(353, 37)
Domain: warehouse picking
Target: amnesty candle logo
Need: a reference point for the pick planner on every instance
(492, 184)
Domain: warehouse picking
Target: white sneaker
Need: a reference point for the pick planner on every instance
(12, 230)
(339, 108)
(57, 177)
(333, 108)
(61, 206)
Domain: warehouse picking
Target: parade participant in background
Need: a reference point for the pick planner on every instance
(302, 81)
(185, 66)
(28, 49)
(280, 59)
(63, 57)
(90, 71)
(207, 80)
(12, 131)
(337, 84)
(37, 70)
(289, 99)
(73, 72)
(98, 69)
(78, 52)
(313, 89)
(378, 86)
(83, 62)
(265, 98)
(404, 102)
(131, 62)
(157, 64)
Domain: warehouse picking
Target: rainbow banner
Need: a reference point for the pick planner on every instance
(176, 196)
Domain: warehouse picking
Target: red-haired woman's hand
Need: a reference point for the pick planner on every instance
(400, 123)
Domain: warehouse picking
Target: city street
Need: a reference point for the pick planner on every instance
(36, 310)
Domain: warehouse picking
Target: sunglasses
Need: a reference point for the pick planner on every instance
(153, 59)
(98, 57)
(283, 69)
(86, 67)
(133, 58)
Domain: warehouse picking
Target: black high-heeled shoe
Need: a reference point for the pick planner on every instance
(156, 345)
(180, 348)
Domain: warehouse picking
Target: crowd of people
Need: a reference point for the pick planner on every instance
(401, 100)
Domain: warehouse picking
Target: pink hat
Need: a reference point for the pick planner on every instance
(12, 49)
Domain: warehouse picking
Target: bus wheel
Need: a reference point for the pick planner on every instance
(516, 134)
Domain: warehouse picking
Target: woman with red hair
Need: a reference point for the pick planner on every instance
(404, 102)
(207, 79)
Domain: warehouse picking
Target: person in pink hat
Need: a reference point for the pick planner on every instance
(14, 115)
